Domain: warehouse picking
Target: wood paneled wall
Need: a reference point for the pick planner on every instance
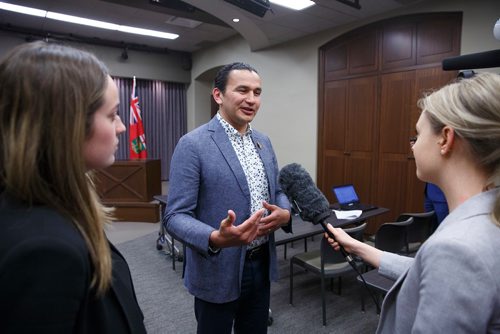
(370, 81)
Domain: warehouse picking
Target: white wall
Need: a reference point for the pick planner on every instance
(144, 65)
(290, 76)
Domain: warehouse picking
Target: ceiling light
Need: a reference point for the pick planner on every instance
(236, 20)
(84, 21)
(22, 9)
(147, 32)
(294, 4)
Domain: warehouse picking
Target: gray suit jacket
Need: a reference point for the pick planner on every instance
(206, 180)
(453, 284)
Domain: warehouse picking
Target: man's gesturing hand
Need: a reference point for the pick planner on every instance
(229, 235)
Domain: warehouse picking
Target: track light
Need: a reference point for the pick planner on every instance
(124, 55)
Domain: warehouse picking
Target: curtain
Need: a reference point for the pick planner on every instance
(164, 114)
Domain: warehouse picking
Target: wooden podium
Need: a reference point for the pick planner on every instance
(129, 187)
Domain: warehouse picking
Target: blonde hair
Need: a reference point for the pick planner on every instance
(49, 94)
(472, 108)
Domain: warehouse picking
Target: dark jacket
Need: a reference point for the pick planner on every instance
(45, 275)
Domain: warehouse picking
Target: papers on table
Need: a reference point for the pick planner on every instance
(347, 214)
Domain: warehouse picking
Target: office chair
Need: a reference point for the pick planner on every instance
(326, 263)
(390, 237)
(393, 237)
(378, 283)
(421, 228)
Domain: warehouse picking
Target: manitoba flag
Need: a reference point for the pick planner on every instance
(136, 131)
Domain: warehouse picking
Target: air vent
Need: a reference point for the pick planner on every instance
(183, 22)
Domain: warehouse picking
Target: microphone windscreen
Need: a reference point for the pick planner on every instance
(471, 61)
(298, 185)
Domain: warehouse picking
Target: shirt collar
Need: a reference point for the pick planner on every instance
(230, 130)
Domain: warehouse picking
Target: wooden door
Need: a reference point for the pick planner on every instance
(334, 135)
(349, 132)
(361, 136)
(397, 102)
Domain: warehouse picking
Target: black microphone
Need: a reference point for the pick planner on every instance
(311, 204)
(485, 59)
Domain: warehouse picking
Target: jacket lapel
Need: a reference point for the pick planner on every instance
(122, 293)
(267, 159)
(222, 141)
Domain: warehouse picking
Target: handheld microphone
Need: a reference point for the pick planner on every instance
(311, 204)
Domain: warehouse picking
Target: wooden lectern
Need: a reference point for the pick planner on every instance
(129, 187)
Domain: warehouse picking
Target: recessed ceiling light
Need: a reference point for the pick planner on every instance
(294, 4)
(236, 20)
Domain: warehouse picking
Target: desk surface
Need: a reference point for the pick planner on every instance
(302, 229)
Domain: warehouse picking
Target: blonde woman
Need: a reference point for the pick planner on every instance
(453, 284)
(58, 272)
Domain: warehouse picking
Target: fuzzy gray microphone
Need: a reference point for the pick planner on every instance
(312, 205)
(299, 187)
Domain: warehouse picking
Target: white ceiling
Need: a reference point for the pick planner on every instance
(278, 25)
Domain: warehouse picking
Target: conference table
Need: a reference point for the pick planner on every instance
(303, 229)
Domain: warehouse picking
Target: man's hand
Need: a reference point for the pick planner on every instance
(276, 219)
(229, 235)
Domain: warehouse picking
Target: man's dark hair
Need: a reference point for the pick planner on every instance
(220, 81)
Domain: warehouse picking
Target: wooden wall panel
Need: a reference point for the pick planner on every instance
(334, 116)
(334, 164)
(399, 45)
(336, 61)
(415, 189)
(361, 115)
(438, 39)
(363, 53)
(370, 81)
(397, 101)
(392, 186)
(359, 171)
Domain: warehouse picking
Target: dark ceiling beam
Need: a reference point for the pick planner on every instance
(353, 4)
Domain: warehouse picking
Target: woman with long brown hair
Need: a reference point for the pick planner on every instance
(59, 121)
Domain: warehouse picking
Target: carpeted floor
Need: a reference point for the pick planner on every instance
(168, 307)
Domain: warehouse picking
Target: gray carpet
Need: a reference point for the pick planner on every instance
(168, 307)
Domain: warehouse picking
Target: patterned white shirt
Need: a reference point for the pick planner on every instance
(253, 168)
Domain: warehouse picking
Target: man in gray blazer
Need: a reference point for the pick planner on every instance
(225, 203)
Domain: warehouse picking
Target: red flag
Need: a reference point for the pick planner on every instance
(136, 131)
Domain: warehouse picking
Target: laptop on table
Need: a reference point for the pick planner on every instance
(348, 199)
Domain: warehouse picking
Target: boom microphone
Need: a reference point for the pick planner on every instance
(485, 59)
(312, 205)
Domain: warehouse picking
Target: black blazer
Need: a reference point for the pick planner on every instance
(45, 275)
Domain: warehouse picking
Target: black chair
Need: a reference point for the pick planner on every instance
(420, 230)
(391, 237)
(326, 262)
(379, 284)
